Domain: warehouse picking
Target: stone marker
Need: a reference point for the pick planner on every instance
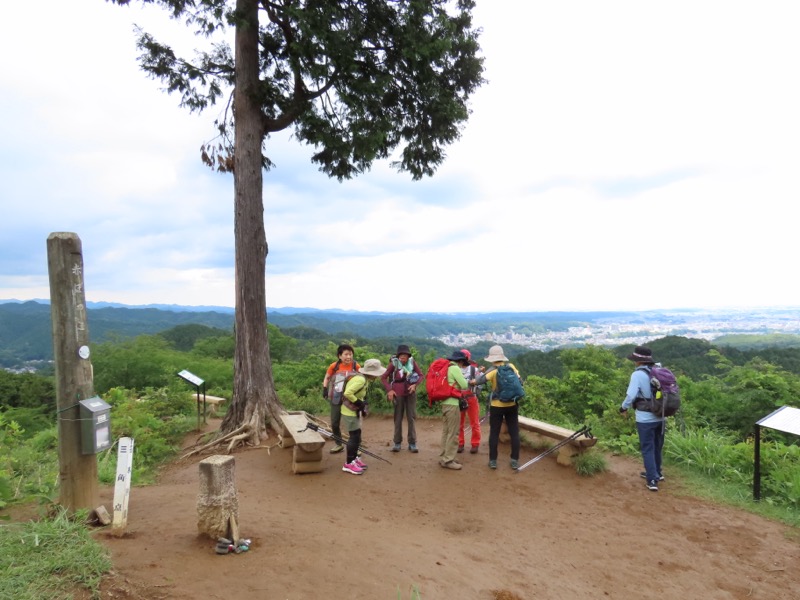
(217, 503)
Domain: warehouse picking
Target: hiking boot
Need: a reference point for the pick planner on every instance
(461, 448)
(337, 448)
(514, 464)
(643, 475)
(396, 448)
(492, 464)
(451, 465)
(360, 463)
(652, 485)
(413, 448)
(473, 450)
(352, 468)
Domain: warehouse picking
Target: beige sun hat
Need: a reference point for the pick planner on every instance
(373, 367)
(496, 355)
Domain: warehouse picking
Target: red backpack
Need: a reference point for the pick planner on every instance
(436, 382)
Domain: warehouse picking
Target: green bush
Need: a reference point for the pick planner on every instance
(590, 463)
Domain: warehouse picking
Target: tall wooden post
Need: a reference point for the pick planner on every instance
(77, 471)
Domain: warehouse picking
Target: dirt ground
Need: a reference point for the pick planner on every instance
(412, 527)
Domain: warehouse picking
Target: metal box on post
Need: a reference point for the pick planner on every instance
(95, 415)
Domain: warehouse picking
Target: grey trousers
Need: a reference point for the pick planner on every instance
(405, 406)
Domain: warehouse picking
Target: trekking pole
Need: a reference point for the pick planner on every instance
(582, 431)
(339, 440)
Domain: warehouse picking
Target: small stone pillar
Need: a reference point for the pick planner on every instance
(217, 503)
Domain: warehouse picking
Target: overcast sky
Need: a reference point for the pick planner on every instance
(623, 155)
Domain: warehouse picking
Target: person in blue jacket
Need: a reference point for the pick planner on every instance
(648, 425)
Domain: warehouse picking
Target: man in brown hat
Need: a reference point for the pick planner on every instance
(648, 425)
(401, 380)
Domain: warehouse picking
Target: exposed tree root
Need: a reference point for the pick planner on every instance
(236, 433)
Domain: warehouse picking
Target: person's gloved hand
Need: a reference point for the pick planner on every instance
(325, 393)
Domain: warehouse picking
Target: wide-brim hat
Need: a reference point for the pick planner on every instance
(403, 349)
(641, 354)
(496, 355)
(372, 366)
(457, 356)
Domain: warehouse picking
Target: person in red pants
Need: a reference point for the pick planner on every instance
(473, 409)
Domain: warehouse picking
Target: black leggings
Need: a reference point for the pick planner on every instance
(353, 442)
(511, 416)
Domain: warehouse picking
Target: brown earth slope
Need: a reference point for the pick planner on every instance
(408, 527)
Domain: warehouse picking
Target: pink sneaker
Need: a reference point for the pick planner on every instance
(352, 468)
(360, 463)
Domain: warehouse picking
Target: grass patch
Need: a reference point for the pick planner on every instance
(50, 559)
(590, 463)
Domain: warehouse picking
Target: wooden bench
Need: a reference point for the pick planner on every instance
(567, 451)
(306, 444)
(213, 403)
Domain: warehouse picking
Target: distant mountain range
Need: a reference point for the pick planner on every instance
(25, 330)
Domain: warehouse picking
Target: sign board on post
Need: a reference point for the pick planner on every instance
(122, 485)
(197, 383)
(786, 419)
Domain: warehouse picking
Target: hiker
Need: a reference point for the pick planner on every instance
(451, 412)
(333, 388)
(473, 410)
(500, 410)
(354, 409)
(400, 381)
(649, 425)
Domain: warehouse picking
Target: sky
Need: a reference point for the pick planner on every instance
(623, 155)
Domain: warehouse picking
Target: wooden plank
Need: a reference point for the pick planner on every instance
(554, 431)
(294, 424)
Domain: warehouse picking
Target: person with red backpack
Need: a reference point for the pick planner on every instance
(473, 410)
(401, 380)
(451, 411)
(333, 388)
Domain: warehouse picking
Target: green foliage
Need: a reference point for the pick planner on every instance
(540, 401)
(28, 390)
(157, 421)
(590, 463)
(149, 362)
(31, 419)
(185, 337)
(50, 559)
(718, 455)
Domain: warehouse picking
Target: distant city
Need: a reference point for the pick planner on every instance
(703, 325)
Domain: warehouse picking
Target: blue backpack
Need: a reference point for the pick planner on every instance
(509, 386)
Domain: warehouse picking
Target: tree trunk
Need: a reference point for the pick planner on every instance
(254, 398)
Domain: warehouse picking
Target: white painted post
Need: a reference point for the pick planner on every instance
(122, 485)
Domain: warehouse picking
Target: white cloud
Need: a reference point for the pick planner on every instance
(598, 120)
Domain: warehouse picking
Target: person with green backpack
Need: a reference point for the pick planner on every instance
(506, 392)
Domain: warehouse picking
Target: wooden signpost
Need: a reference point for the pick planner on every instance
(78, 487)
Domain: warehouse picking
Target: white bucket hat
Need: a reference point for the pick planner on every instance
(373, 367)
(496, 355)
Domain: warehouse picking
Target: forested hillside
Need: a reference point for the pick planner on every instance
(725, 391)
(25, 331)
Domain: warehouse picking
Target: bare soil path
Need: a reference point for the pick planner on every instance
(544, 533)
